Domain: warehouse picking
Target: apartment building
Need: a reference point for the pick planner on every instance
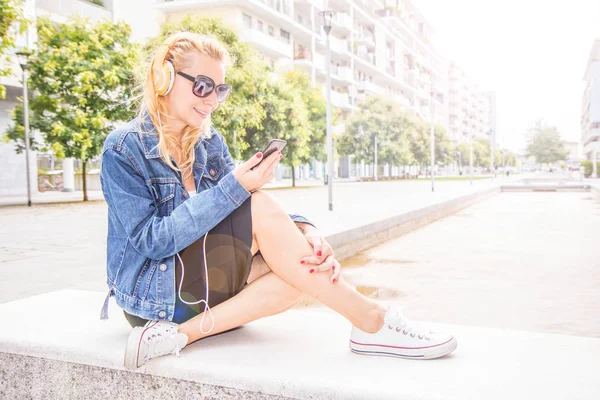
(472, 112)
(377, 47)
(590, 112)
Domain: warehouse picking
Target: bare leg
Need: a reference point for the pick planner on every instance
(282, 245)
(265, 295)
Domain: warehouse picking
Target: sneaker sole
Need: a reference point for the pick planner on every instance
(133, 346)
(423, 353)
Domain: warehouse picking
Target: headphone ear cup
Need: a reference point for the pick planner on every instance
(163, 77)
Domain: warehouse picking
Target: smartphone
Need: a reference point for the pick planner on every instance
(273, 146)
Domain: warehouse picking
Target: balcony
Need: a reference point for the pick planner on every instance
(401, 100)
(266, 44)
(303, 58)
(371, 87)
(367, 39)
(83, 8)
(339, 46)
(341, 74)
(280, 6)
(343, 22)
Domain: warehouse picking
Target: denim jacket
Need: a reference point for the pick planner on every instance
(151, 216)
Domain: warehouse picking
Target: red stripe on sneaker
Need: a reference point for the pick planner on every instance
(399, 347)
(137, 357)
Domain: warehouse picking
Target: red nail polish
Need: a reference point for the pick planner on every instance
(311, 271)
(259, 155)
(302, 262)
(334, 280)
(319, 253)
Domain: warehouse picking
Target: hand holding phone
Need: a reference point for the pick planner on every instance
(253, 178)
(273, 146)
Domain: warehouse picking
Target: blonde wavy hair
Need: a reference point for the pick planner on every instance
(155, 106)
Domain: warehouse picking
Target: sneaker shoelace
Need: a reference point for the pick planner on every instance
(160, 345)
(402, 325)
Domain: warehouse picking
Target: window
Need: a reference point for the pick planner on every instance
(285, 35)
(271, 31)
(260, 25)
(247, 20)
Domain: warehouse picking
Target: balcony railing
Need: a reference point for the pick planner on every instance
(268, 43)
(82, 8)
(281, 6)
(342, 20)
(302, 54)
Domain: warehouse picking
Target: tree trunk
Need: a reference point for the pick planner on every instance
(84, 180)
(293, 176)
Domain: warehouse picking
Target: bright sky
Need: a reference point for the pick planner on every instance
(532, 53)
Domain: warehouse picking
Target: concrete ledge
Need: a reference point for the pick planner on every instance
(53, 346)
(353, 241)
(546, 188)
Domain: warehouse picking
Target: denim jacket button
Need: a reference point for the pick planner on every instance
(185, 193)
(162, 314)
(163, 267)
(212, 172)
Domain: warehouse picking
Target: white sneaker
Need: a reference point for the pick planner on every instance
(155, 339)
(400, 337)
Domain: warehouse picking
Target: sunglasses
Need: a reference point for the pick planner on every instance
(204, 86)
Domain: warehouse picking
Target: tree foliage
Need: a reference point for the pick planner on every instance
(81, 74)
(545, 144)
(12, 23)
(402, 139)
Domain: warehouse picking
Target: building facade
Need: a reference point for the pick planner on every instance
(590, 112)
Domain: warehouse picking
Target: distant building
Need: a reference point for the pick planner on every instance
(574, 156)
(590, 113)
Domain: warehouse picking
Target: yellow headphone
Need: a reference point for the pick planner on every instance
(162, 71)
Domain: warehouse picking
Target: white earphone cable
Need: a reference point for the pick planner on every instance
(206, 306)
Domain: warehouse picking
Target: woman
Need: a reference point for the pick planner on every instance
(187, 228)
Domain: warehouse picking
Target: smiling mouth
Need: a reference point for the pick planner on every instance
(202, 113)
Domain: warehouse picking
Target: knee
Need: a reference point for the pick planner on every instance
(263, 204)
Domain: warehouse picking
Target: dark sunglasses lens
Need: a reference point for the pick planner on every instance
(203, 87)
(223, 92)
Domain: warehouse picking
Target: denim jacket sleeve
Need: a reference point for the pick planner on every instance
(156, 237)
(230, 167)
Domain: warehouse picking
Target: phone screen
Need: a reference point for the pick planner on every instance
(273, 146)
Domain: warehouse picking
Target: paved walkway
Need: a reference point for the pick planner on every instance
(525, 261)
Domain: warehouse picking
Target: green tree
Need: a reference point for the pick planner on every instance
(382, 119)
(316, 107)
(545, 144)
(12, 22)
(82, 78)
(481, 152)
(420, 135)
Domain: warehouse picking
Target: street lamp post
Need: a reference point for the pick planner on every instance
(327, 16)
(471, 160)
(23, 57)
(432, 139)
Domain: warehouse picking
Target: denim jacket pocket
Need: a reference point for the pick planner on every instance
(144, 279)
(163, 190)
(214, 167)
